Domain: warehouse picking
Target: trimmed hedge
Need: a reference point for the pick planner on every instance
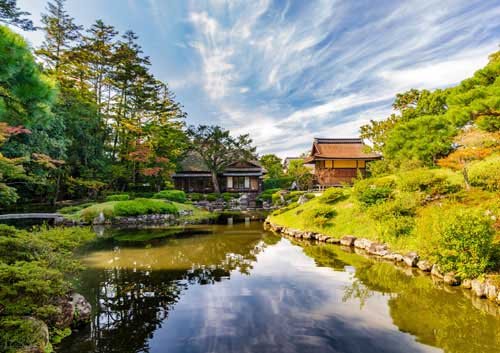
(171, 195)
(139, 207)
(118, 197)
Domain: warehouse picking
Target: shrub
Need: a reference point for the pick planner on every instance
(143, 206)
(309, 195)
(278, 183)
(33, 272)
(195, 196)
(372, 191)
(285, 209)
(89, 213)
(332, 195)
(319, 216)
(171, 195)
(267, 195)
(433, 182)
(228, 196)
(212, 197)
(486, 173)
(118, 197)
(459, 239)
(488, 123)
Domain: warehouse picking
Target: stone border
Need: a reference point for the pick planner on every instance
(480, 288)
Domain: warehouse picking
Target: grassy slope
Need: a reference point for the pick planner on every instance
(351, 219)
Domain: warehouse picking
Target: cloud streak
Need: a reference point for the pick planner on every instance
(286, 71)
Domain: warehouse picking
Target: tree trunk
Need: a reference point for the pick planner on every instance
(215, 182)
(466, 177)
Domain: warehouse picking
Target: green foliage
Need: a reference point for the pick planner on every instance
(195, 196)
(118, 197)
(486, 173)
(33, 270)
(218, 149)
(172, 195)
(272, 164)
(332, 195)
(488, 123)
(142, 207)
(373, 191)
(228, 196)
(460, 239)
(319, 216)
(278, 183)
(267, 194)
(212, 197)
(429, 181)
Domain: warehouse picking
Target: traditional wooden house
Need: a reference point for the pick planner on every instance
(339, 160)
(240, 176)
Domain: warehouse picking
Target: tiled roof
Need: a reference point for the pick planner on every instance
(339, 149)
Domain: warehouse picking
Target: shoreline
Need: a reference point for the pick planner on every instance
(479, 288)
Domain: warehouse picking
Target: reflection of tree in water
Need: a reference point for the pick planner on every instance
(438, 317)
(131, 303)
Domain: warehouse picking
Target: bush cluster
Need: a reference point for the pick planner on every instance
(374, 190)
(429, 181)
(319, 216)
(458, 238)
(33, 270)
(139, 207)
(333, 195)
(267, 195)
(171, 195)
(118, 197)
(278, 183)
(486, 173)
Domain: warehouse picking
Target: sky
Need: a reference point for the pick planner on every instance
(287, 71)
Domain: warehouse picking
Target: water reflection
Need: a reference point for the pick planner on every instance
(239, 289)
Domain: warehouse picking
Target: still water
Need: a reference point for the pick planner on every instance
(241, 289)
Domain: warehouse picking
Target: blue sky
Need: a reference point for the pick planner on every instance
(287, 71)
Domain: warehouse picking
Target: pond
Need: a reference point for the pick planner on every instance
(238, 288)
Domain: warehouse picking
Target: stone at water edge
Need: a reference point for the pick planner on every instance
(362, 243)
(424, 265)
(436, 272)
(466, 283)
(451, 279)
(347, 240)
(81, 309)
(478, 288)
(491, 291)
(333, 241)
(411, 259)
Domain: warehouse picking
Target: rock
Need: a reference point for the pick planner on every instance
(302, 199)
(333, 241)
(392, 256)
(424, 265)
(466, 283)
(347, 240)
(478, 288)
(498, 298)
(435, 272)
(81, 309)
(362, 243)
(411, 259)
(451, 279)
(99, 219)
(378, 249)
(323, 238)
(491, 290)
(306, 235)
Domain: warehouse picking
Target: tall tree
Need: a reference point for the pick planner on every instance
(273, 165)
(60, 33)
(218, 149)
(10, 14)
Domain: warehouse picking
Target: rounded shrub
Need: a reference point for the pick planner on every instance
(195, 196)
(319, 216)
(430, 181)
(118, 197)
(139, 207)
(332, 195)
(486, 173)
(171, 195)
(459, 239)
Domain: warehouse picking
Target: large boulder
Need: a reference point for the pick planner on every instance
(81, 309)
(378, 249)
(362, 243)
(436, 272)
(451, 279)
